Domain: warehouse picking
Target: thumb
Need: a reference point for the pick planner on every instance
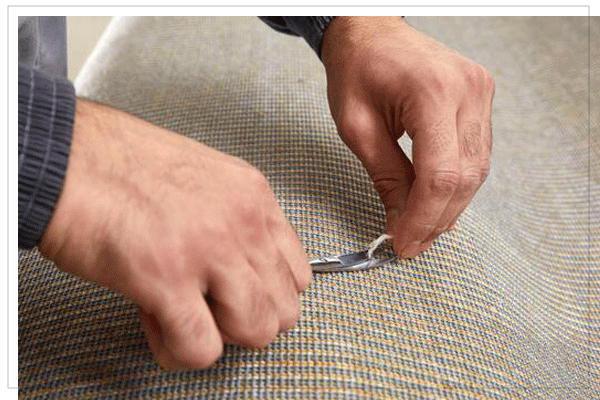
(390, 169)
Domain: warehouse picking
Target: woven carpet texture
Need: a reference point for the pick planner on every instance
(505, 307)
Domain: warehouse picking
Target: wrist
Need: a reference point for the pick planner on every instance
(52, 240)
(347, 37)
(80, 185)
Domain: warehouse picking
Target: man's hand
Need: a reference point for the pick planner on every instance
(385, 78)
(195, 237)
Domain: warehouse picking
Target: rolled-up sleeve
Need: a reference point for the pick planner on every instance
(46, 104)
(310, 28)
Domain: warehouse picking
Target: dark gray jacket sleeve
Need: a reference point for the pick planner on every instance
(46, 114)
(310, 28)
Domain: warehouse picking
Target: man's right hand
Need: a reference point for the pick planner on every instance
(195, 237)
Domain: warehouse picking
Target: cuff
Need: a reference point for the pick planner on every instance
(310, 28)
(46, 115)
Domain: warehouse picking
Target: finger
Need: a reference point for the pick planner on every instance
(437, 175)
(487, 136)
(471, 175)
(486, 141)
(279, 282)
(290, 273)
(490, 85)
(290, 251)
(267, 222)
(389, 168)
(274, 251)
(154, 336)
(271, 256)
(243, 309)
(292, 258)
(188, 331)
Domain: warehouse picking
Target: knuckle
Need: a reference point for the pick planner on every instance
(184, 320)
(390, 189)
(437, 84)
(484, 172)
(474, 76)
(420, 229)
(249, 212)
(472, 180)
(385, 188)
(353, 124)
(470, 183)
(259, 182)
(489, 81)
(443, 183)
(347, 124)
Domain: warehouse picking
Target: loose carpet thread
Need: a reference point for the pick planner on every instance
(376, 243)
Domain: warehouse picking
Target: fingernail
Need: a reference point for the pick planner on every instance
(411, 250)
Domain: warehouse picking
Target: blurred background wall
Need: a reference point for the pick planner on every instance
(82, 35)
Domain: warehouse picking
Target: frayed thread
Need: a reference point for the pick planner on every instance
(376, 243)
